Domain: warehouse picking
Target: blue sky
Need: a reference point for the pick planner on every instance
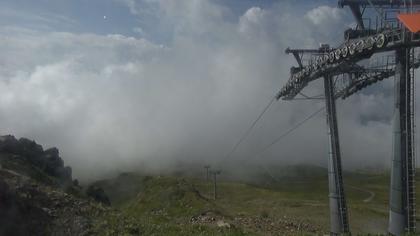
(113, 16)
(86, 15)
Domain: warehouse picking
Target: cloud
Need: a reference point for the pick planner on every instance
(252, 19)
(324, 15)
(114, 102)
(138, 30)
(41, 21)
(326, 18)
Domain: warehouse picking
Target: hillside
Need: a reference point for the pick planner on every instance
(38, 196)
(178, 206)
(294, 205)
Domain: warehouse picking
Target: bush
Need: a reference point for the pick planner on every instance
(98, 194)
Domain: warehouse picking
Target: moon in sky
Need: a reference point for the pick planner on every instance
(104, 17)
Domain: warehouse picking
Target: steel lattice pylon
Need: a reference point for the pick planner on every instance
(345, 73)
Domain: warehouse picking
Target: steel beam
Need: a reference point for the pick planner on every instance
(357, 13)
(331, 65)
(325, 48)
(297, 53)
(343, 3)
(338, 209)
(402, 199)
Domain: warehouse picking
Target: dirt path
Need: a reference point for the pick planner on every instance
(371, 193)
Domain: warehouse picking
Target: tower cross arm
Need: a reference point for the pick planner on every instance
(343, 3)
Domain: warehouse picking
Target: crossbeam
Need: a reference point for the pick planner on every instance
(298, 53)
(369, 78)
(338, 60)
(343, 3)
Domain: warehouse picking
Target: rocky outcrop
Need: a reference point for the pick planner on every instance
(29, 207)
(39, 198)
(48, 161)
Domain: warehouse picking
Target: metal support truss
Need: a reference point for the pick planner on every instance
(402, 195)
(298, 53)
(355, 9)
(338, 208)
(342, 59)
(386, 34)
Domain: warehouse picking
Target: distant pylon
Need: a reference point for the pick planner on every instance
(207, 167)
(215, 173)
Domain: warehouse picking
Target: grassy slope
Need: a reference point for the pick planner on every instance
(165, 205)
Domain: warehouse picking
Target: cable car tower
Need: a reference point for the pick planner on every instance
(382, 45)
